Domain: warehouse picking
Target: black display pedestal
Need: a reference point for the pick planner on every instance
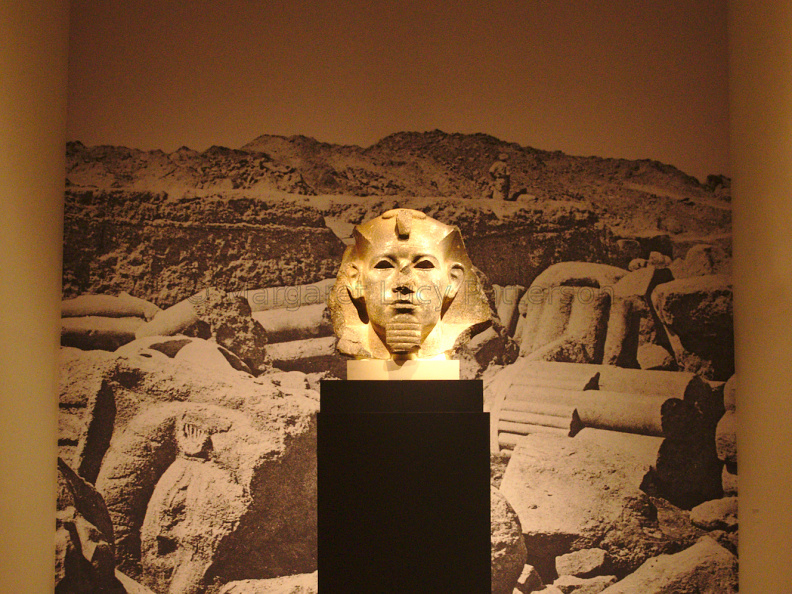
(403, 495)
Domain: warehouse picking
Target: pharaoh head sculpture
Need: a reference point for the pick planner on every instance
(406, 289)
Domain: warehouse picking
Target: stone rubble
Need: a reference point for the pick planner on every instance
(704, 568)
(198, 433)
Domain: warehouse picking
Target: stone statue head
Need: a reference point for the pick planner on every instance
(406, 289)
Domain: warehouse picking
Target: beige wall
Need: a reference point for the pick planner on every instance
(32, 128)
(32, 110)
(761, 150)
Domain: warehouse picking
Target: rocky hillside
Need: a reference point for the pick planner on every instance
(217, 168)
(636, 195)
(276, 211)
(166, 249)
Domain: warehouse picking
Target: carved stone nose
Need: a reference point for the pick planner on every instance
(405, 284)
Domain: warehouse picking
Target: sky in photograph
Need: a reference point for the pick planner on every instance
(612, 78)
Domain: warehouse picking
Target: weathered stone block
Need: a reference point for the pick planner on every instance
(566, 312)
(730, 394)
(87, 411)
(306, 583)
(571, 494)
(718, 514)
(583, 563)
(637, 264)
(699, 260)
(688, 470)
(704, 568)
(729, 481)
(286, 324)
(726, 438)
(697, 315)
(574, 585)
(529, 581)
(95, 332)
(123, 306)
(659, 260)
(653, 356)
(507, 546)
(84, 551)
(210, 474)
(728, 540)
(308, 356)
(233, 327)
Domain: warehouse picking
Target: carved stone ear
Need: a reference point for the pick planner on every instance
(354, 282)
(457, 274)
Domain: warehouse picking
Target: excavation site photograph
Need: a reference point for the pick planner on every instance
(225, 158)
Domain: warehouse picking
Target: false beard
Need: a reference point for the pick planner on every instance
(403, 334)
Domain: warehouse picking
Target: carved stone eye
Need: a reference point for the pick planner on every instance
(424, 264)
(384, 265)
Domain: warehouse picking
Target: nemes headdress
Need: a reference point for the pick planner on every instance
(468, 309)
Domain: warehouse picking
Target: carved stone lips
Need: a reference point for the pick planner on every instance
(404, 313)
(402, 305)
